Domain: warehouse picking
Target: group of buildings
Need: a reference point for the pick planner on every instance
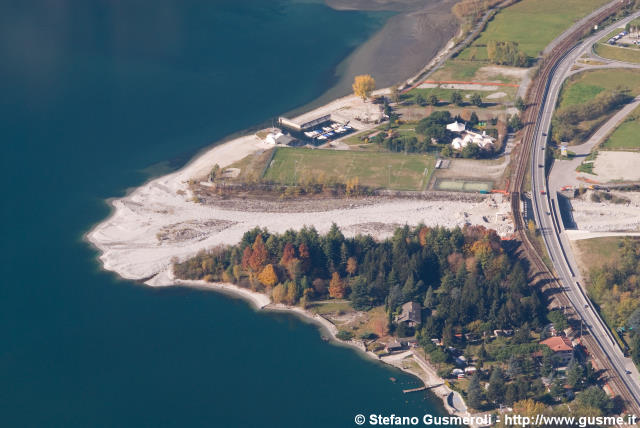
(314, 130)
(468, 136)
(411, 316)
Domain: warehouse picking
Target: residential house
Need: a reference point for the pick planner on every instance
(411, 314)
(562, 348)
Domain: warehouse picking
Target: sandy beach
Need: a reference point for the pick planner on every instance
(406, 43)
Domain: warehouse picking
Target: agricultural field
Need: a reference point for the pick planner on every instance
(395, 171)
(585, 86)
(627, 135)
(533, 24)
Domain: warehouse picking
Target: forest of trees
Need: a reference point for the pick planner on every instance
(465, 279)
(462, 275)
(615, 287)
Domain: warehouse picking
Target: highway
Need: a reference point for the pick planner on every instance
(549, 222)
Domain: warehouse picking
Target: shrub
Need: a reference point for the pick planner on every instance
(344, 335)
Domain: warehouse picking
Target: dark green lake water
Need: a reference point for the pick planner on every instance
(97, 96)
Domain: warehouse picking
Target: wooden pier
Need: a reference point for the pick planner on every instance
(422, 388)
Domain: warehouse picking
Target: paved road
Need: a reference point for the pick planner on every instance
(548, 219)
(564, 172)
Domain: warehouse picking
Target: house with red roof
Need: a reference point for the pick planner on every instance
(562, 348)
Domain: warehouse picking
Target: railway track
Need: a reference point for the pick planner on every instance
(535, 101)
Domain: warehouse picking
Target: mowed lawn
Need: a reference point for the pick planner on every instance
(627, 135)
(533, 24)
(585, 86)
(618, 53)
(395, 171)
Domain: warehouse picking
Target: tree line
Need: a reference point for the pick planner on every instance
(615, 287)
(462, 275)
(567, 120)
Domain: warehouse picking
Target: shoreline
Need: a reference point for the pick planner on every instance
(416, 34)
(233, 148)
(262, 302)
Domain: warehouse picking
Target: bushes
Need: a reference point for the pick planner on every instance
(567, 120)
(344, 335)
(507, 53)
(600, 196)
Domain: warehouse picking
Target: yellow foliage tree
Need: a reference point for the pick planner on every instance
(268, 276)
(529, 408)
(363, 85)
(353, 186)
(532, 227)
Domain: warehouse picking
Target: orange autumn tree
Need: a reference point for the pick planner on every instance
(289, 261)
(288, 253)
(268, 276)
(337, 287)
(258, 255)
(305, 257)
(246, 256)
(422, 235)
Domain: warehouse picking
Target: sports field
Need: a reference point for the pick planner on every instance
(395, 171)
(533, 24)
(464, 186)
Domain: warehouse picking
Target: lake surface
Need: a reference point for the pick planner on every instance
(97, 97)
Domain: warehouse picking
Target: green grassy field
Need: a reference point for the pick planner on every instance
(444, 95)
(627, 135)
(584, 86)
(533, 24)
(597, 252)
(455, 69)
(618, 53)
(407, 172)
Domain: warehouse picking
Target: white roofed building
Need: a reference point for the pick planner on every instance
(457, 127)
(458, 143)
(277, 138)
(470, 137)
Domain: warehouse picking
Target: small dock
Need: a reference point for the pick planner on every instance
(422, 388)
